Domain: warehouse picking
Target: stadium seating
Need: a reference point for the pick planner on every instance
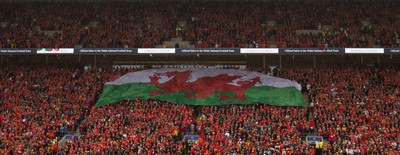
(40, 104)
(354, 108)
(207, 24)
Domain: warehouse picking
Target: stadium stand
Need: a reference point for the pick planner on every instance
(40, 104)
(49, 109)
(355, 110)
(203, 24)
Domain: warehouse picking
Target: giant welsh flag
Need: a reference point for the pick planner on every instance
(203, 86)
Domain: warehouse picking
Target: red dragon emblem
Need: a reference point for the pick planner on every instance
(202, 87)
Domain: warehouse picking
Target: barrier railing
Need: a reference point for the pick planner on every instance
(201, 51)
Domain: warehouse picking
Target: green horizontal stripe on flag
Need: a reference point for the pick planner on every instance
(287, 96)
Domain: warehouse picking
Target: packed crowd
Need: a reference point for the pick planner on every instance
(142, 25)
(252, 129)
(26, 25)
(90, 25)
(38, 105)
(354, 108)
(236, 25)
(134, 126)
(209, 24)
(347, 27)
